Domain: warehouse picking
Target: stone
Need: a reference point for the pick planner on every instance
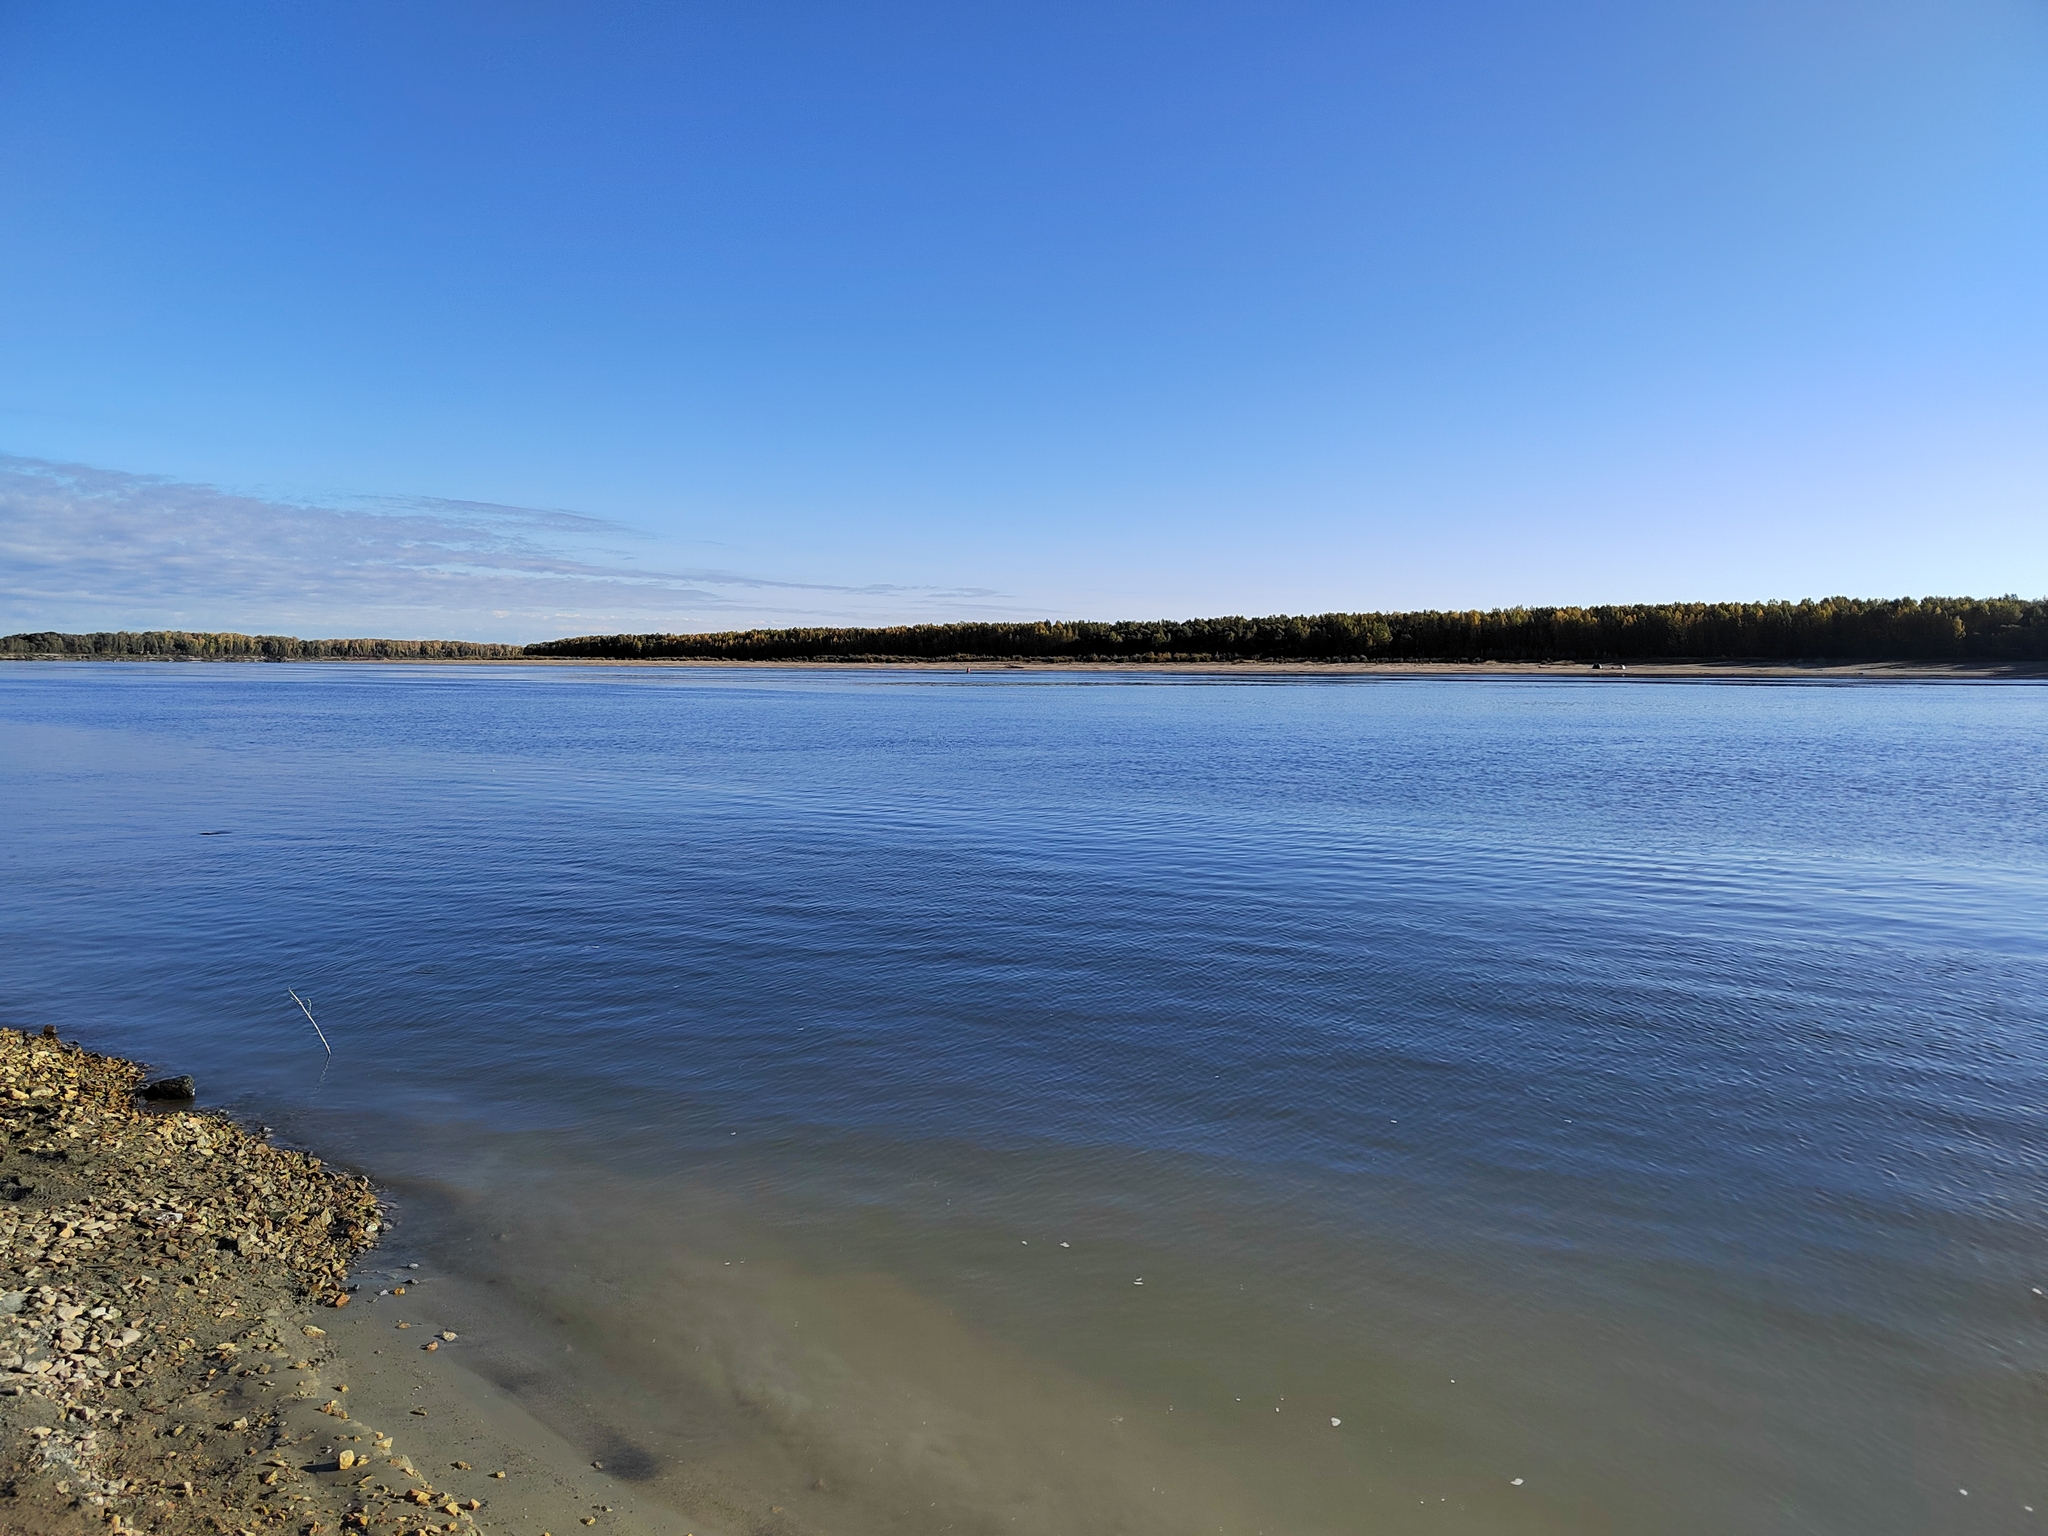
(180, 1087)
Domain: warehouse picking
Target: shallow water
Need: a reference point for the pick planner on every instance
(1634, 1089)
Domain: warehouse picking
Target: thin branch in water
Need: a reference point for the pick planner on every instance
(310, 1019)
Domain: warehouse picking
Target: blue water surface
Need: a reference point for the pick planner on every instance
(1708, 1020)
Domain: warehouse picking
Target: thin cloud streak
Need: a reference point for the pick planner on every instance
(85, 548)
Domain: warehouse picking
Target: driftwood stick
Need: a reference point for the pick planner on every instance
(310, 1019)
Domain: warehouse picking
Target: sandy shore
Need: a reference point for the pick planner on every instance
(190, 1340)
(1647, 671)
(1644, 671)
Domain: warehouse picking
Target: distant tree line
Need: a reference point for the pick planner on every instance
(2001, 629)
(1837, 628)
(190, 645)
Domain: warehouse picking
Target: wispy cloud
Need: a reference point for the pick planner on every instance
(84, 548)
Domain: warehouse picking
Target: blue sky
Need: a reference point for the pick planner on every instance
(513, 320)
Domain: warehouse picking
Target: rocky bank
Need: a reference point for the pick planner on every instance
(163, 1274)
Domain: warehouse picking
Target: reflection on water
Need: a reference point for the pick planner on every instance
(1631, 1090)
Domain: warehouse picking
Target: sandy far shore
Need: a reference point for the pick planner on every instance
(191, 1346)
(1634, 671)
(1648, 671)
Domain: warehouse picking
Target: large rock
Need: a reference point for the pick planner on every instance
(170, 1088)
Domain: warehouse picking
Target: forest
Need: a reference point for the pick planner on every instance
(1836, 629)
(200, 645)
(2006, 629)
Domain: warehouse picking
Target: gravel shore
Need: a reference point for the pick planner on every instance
(180, 1335)
(162, 1276)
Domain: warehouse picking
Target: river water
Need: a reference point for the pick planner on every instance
(1529, 1105)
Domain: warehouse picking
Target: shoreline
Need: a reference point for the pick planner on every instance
(1306, 671)
(192, 1342)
